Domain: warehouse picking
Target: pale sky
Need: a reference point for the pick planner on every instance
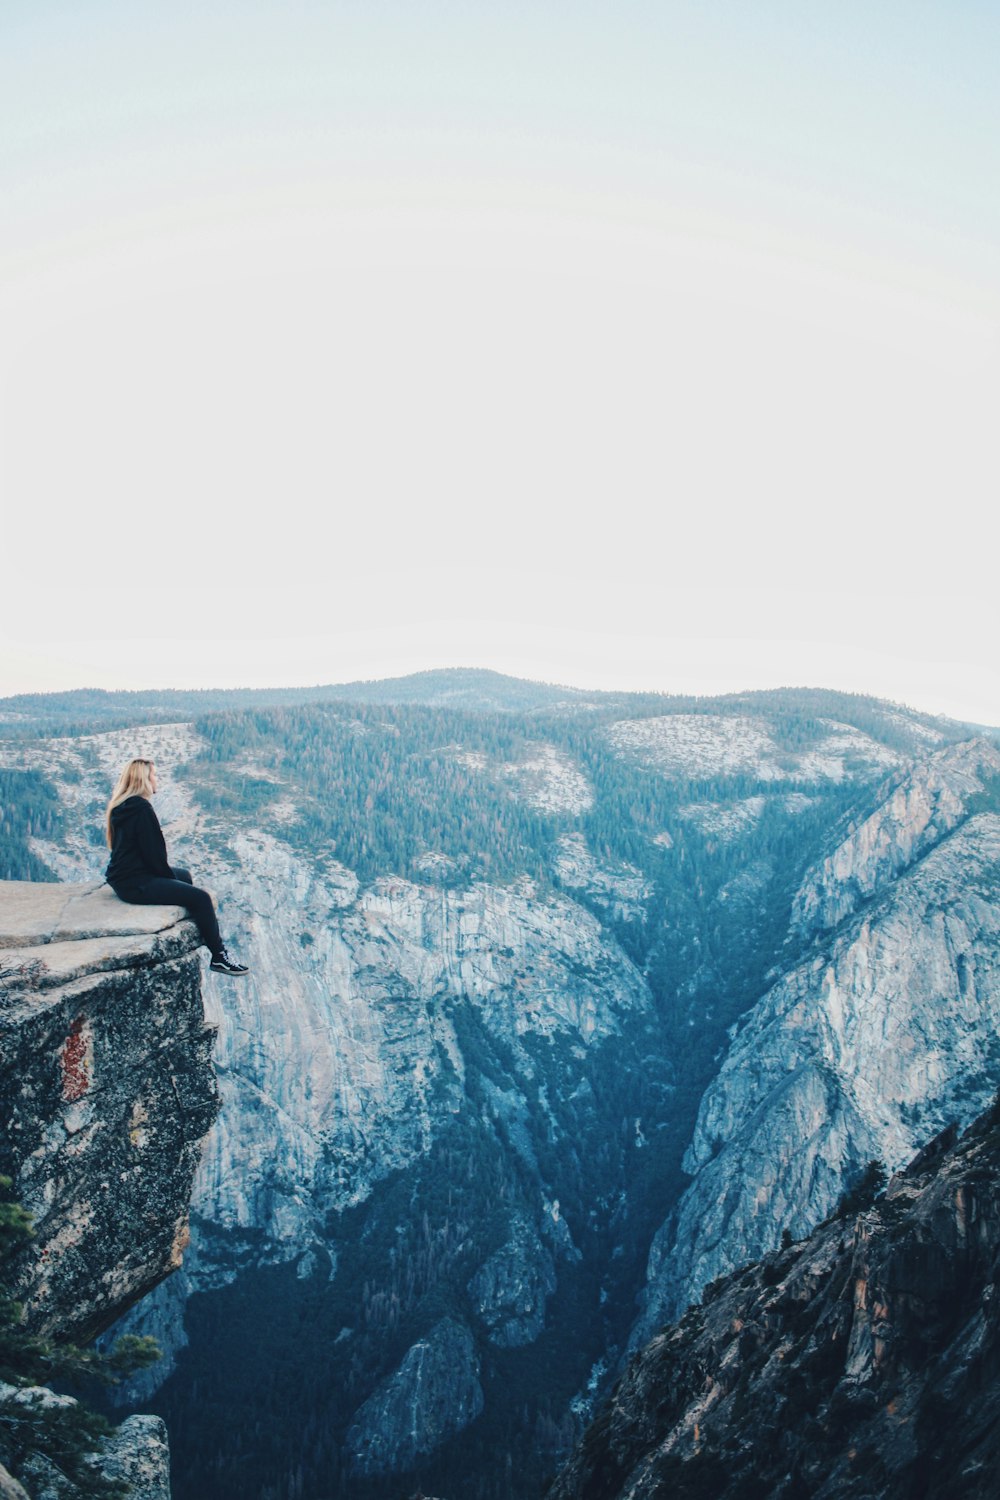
(624, 345)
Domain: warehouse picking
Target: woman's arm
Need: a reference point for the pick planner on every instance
(151, 844)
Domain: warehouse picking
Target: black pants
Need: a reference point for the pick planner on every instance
(158, 891)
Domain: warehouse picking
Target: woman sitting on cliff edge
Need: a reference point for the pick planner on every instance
(138, 871)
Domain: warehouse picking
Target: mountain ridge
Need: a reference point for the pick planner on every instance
(480, 688)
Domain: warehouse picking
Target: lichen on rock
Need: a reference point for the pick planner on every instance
(107, 1091)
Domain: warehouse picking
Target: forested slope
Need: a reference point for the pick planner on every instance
(496, 953)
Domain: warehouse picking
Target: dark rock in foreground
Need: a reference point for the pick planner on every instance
(863, 1362)
(106, 1092)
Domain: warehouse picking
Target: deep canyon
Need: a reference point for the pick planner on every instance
(562, 1007)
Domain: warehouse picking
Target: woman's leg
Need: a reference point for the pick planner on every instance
(180, 874)
(198, 903)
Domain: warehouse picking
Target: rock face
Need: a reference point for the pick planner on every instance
(884, 1030)
(365, 1001)
(434, 1394)
(510, 1291)
(928, 804)
(107, 1091)
(711, 744)
(622, 892)
(463, 1099)
(864, 1362)
(10, 1489)
(136, 1453)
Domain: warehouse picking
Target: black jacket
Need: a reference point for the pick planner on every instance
(138, 850)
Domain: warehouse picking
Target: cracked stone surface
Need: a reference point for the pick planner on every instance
(35, 913)
(106, 1089)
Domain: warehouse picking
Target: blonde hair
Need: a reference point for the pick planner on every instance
(135, 781)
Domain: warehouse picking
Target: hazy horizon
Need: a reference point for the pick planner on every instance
(649, 345)
(872, 680)
(594, 687)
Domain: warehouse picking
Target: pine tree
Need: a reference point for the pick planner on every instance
(35, 1424)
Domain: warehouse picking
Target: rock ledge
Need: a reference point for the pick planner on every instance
(106, 1090)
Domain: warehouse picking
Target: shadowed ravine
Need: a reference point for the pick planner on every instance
(484, 1123)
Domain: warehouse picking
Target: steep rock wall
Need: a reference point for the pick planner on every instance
(862, 1362)
(883, 1030)
(364, 1001)
(106, 1092)
(930, 801)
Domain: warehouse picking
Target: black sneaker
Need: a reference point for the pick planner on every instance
(223, 964)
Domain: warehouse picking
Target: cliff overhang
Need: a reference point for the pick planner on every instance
(106, 1093)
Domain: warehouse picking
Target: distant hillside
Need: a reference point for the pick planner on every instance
(90, 710)
(476, 690)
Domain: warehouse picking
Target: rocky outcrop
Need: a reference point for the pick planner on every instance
(107, 1091)
(433, 1394)
(874, 1040)
(931, 801)
(864, 1362)
(10, 1489)
(510, 1290)
(621, 890)
(704, 745)
(135, 1454)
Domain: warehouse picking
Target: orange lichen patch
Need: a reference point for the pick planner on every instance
(961, 1213)
(137, 1133)
(77, 1060)
(181, 1240)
